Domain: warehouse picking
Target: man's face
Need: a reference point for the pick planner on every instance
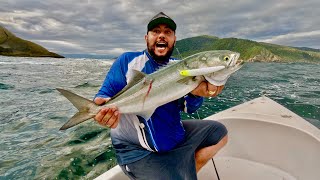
(160, 42)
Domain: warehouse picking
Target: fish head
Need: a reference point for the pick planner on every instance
(212, 59)
(230, 60)
(216, 66)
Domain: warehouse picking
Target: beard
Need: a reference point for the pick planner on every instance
(160, 59)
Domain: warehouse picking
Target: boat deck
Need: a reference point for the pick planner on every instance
(236, 168)
(266, 142)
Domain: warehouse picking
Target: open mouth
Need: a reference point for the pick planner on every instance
(161, 45)
(240, 62)
(235, 60)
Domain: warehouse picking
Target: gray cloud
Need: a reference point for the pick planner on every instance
(112, 27)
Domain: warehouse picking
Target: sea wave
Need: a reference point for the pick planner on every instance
(6, 86)
(87, 85)
(32, 111)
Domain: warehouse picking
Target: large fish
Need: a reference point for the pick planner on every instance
(144, 93)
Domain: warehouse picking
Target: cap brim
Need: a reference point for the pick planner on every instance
(162, 20)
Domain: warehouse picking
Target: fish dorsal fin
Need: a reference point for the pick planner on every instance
(134, 78)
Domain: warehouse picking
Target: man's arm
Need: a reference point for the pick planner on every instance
(115, 80)
(113, 83)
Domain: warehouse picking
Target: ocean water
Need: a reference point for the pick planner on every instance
(32, 111)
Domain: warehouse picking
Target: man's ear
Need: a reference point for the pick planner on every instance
(146, 38)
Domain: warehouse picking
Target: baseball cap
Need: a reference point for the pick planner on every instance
(161, 18)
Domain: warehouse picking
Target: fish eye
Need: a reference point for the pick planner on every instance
(226, 58)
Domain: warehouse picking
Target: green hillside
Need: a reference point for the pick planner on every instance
(249, 50)
(11, 45)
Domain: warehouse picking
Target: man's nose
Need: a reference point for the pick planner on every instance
(162, 35)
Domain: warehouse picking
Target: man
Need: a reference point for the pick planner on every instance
(162, 147)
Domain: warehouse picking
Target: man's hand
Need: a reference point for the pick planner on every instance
(107, 116)
(205, 89)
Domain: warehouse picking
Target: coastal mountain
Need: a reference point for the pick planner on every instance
(249, 50)
(11, 45)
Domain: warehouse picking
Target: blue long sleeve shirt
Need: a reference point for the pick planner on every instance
(135, 137)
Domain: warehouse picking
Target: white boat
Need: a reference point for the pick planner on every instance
(266, 142)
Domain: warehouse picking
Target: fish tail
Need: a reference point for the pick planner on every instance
(82, 104)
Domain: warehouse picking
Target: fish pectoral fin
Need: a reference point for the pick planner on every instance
(201, 71)
(185, 81)
(146, 114)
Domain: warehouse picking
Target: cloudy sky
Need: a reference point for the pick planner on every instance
(114, 26)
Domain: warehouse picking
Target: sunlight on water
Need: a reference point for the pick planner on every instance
(32, 111)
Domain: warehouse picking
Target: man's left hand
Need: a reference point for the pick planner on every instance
(205, 89)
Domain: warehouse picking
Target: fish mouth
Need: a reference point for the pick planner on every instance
(234, 60)
(240, 62)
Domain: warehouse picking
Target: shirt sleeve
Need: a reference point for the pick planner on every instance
(115, 80)
(190, 103)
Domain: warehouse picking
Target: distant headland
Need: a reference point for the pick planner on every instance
(11, 45)
(250, 51)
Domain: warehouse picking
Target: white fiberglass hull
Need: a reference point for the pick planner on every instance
(266, 142)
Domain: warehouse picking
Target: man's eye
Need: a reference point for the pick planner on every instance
(168, 32)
